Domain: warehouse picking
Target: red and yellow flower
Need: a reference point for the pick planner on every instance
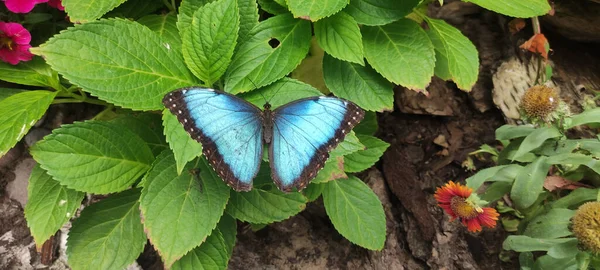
(455, 199)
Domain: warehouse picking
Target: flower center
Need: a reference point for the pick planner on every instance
(462, 208)
(5, 42)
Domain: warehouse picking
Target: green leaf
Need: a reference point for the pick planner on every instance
(576, 159)
(313, 191)
(135, 69)
(315, 10)
(135, 9)
(18, 113)
(490, 174)
(7, 92)
(280, 93)
(94, 156)
(340, 37)
(214, 253)
(184, 147)
(576, 198)
(361, 85)
(535, 139)
(81, 11)
(509, 132)
(515, 8)
(165, 26)
(257, 64)
(584, 118)
(228, 227)
(548, 262)
(529, 183)
(522, 243)
(248, 10)
(368, 126)
(332, 170)
(148, 126)
(180, 211)
(186, 12)
(209, 42)
(554, 224)
(272, 7)
(401, 52)
(496, 191)
(565, 250)
(350, 145)
(265, 206)
(380, 12)
(356, 212)
(35, 73)
(49, 205)
(108, 234)
(456, 56)
(364, 159)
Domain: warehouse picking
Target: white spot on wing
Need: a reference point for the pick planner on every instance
(62, 202)
(167, 46)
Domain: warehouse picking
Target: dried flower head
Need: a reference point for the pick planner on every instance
(454, 199)
(586, 226)
(539, 102)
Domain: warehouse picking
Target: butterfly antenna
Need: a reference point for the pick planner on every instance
(261, 94)
(274, 94)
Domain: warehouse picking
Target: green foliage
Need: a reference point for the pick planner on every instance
(207, 50)
(35, 73)
(215, 252)
(18, 113)
(351, 81)
(49, 205)
(364, 159)
(516, 8)
(537, 167)
(126, 55)
(108, 234)
(180, 211)
(380, 12)
(183, 146)
(113, 156)
(340, 37)
(257, 64)
(137, 69)
(401, 51)
(355, 212)
(315, 10)
(265, 205)
(456, 57)
(88, 10)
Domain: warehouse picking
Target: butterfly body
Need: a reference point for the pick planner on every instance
(300, 134)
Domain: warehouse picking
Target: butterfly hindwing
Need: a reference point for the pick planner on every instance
(304, 132)
(229, 128)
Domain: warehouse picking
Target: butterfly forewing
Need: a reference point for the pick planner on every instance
(229, 128)
(304, 132)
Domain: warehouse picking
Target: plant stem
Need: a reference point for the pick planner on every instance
(535, 21)
(170, 6)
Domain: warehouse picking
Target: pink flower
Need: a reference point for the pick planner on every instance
(56, 4)
(14, 43)
(22, 6)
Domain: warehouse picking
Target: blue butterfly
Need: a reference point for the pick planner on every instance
(300, 134)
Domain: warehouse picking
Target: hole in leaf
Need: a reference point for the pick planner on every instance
(274, 43)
